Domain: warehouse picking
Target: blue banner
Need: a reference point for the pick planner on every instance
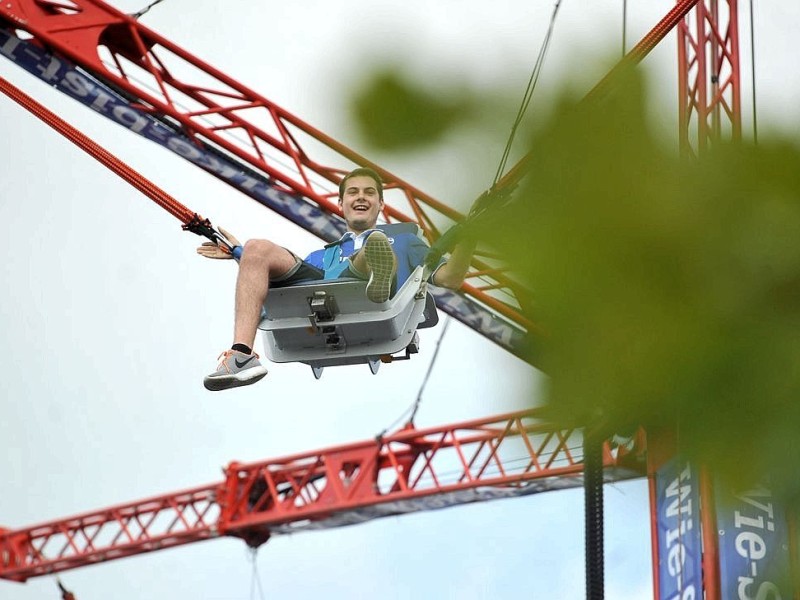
(679, 536)
(753, 545)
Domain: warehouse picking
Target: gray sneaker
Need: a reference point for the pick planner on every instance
(382, 265)
(235, 369)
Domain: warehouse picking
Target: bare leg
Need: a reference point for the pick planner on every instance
(261, 259)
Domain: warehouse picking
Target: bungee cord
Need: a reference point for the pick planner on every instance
(190, 220)
(502, 184)
(528, 95)
(414, 406)
(255, 581)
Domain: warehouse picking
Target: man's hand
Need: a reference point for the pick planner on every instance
(214, 250)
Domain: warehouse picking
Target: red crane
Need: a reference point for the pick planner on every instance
(407, 471)
(103, 48)
(110, 61)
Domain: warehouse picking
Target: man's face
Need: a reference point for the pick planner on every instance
(361, 203)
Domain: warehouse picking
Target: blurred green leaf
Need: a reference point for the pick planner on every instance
(669, 288)
(396, 113)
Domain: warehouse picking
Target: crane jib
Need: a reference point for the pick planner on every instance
(70, 79)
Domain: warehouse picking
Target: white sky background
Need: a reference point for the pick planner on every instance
(110, 320)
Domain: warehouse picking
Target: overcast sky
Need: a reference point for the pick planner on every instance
(111, 321)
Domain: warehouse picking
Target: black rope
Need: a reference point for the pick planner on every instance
(428, 374)
(136, 15)
(526, 99)
(255, 582)
(65, 593)
(593, 507)
(494, 195)
(412, 409)
(753, 72)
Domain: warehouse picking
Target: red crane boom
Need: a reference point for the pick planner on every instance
(129, 73)
(413, 469)
(120, 68)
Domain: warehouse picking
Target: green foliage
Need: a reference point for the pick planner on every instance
(669, 288)
(394, 113)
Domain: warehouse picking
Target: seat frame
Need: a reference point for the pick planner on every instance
(332, 323)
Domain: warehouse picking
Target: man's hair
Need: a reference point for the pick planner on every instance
(359, 172)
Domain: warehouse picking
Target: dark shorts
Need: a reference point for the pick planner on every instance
(303, 271)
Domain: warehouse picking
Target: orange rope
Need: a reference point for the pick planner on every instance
(142, 184)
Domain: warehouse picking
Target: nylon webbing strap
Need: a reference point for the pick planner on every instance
(190, 220)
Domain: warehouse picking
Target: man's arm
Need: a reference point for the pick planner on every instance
(451, 274)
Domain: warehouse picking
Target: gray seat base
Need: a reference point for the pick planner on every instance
(331, 323)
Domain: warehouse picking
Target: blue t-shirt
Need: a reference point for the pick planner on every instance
(408, 246)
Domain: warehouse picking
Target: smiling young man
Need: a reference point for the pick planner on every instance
(362, 252)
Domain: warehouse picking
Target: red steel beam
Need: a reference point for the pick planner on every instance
(709, 86)
(210, 106)
(172, 84)
(413, 469)
(142, 526)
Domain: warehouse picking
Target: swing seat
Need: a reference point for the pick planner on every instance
(332, 323)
